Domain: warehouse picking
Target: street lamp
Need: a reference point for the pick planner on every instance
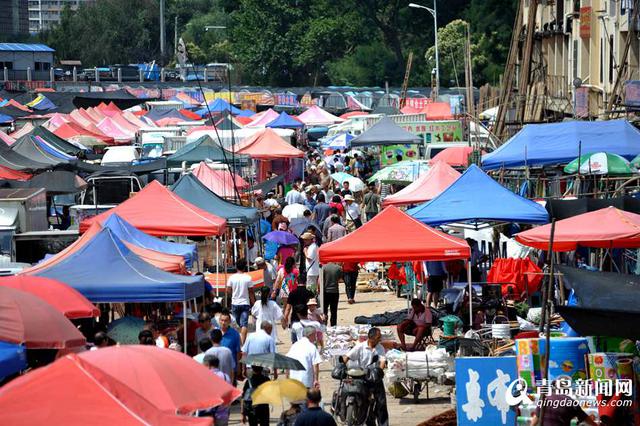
(434, 13)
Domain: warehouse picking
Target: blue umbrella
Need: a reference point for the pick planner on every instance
(339, 141)
(281, 237)
(125, 330)
(13, 359)
(298, 226)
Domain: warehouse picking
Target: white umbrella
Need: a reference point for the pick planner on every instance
(294, 211)
(355, 184)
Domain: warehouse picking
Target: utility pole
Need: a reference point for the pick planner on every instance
(175, 36)
(162, 50)
(468, 73)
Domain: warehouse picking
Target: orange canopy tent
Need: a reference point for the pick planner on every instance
(438, 111)
(267, 145)
(604, 228)
(393, 235)
(219, 182)
(456, 156)
(427, 187)
(159, 212)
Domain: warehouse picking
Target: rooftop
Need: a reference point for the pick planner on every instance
(24, 47)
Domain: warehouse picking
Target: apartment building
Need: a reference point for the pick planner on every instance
(45, 13)
(578, 51)
(14, 18)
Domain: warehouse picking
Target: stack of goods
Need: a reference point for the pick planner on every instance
(368, 281)
(339, 339)
(434, 363)
(610, 366)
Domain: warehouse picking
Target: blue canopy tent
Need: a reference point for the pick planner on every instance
(105, 270)
(189, 188)
(13, 359)
(158, 114)
(217, 106)
(476, 197)
(6, 119)
(246, 113)
(129, 233)
(560, 143)
(285, 121)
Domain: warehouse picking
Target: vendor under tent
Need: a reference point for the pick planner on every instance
(104, 270)
(159, 212)
(189, 188)
(605, 228)
(395, 236)
(475, 197)
(65, 393)
(265, 146)
(539, 145)
(428, 186)
(205, 148)
(385, 132)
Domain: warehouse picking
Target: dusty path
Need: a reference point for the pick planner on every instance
(401, 412)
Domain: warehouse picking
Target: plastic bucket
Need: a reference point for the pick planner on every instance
(449, 326)
(500, 330)
(567, 357)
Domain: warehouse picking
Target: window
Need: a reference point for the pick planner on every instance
(7, 65)
(42, 66)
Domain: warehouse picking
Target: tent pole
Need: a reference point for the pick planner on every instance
(235, 245)
(217, 266)
(184, 326)
(470, 294)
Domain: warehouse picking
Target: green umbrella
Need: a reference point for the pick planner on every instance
(600, 163)
(125, 330)
(636, 161)
(402, 172)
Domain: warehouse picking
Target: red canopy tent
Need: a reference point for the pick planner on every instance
(73, 130)
(427, 187)
(394, 236)
(267, 145)
(438, 111)
(65, 299)
(219, 182)
(159, 212)
(604, 228)
(27, 319)
(165, 261)
(10, 174)
(456, 156)
(65, 393)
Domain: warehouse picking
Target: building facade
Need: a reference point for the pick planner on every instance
(43, 14)
(24, 61)
(14, 18)
(578, 51)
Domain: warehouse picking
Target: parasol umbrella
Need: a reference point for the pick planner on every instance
(402, 172)
(274, 360)
(298, 226)
(600, 163)
(281, 237)
(170, 380)
(275, 392)
(66, 393)
(355, 184)
(125, 330)
(339, 141)
(13, 359)
(25, 318)
(294, 211)
(64, 298)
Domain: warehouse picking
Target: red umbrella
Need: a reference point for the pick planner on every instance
(168, 379)
(64, 393)
(65, 299)
(25, 318)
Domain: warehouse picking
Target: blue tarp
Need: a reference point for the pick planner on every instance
(285, 121)
(4, 119)
(476, 197)
(129, 233)
(560, 143)
(105, 270)
(189, 188)
(44, 105)
(13, 359)
(219, 105)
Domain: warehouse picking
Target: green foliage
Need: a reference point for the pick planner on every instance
(296, 42)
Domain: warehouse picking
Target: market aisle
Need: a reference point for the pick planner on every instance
(405, 413)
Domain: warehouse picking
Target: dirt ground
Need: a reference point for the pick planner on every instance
(401, 411)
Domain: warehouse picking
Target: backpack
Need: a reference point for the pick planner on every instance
(290, 282)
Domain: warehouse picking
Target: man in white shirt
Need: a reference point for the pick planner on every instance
(312, 261)
(303, 322)
(270, 202)
(242, 296)
(294, 196)
(361, 356)
(268, 272)
(305, 351)
(351, 213)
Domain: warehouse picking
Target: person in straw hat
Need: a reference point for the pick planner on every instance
(352, 213)
(312, 262)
